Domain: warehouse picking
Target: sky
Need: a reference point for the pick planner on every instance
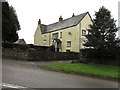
(49, 11)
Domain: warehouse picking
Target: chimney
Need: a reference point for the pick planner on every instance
(73, 15)
(60, 19)
(39, 22)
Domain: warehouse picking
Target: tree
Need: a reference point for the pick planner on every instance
(102, 37)
(10, 23)
(103, 31)
(5, 21)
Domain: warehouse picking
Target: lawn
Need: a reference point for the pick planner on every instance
(87, 69)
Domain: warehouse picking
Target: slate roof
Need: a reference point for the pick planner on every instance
(43, 28)
(62, 24)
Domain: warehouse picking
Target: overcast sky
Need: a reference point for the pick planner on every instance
(49, 11)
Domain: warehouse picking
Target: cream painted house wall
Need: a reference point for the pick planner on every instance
(68, 34)
(73, 34)
(84, 26)
(38, 37)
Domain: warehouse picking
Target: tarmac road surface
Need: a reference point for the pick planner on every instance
(27, 74)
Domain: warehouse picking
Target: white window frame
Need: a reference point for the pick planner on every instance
(83, 41)
(53, 35)
(60, 34)
(84, 32)
(69, 43)
(45, 37)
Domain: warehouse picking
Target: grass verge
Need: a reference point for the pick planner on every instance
(105, 71)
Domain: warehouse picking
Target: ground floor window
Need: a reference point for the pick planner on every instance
(67, 50)
(82, 42)
(68, 43)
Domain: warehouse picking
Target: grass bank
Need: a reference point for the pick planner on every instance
(105, 71)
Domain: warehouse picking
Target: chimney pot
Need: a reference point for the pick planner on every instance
(73, 15)
(39, 22)
(60, 19)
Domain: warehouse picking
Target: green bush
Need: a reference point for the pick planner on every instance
(31, 49)
(100, 56)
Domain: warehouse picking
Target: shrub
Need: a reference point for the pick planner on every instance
(100, 56)
(31, 49)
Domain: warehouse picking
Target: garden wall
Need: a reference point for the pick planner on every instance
(43, 55)
(15, 54)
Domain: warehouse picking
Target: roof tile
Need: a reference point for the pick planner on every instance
(62, 24)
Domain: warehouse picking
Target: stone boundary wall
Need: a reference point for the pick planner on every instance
(45, 55)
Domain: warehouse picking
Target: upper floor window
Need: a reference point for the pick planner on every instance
(83, 32)
(55, 35)
(68, 43)
(89, 32)
(60, 34)
(45, 37)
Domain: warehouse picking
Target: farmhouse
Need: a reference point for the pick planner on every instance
(66, 35)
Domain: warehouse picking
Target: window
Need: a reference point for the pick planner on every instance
(83, 41)
(55, 35)
(60, 34)
(89, 32)
(68, 43)
(45, 37)
(67, 50)
(44, 43)
(83, 32)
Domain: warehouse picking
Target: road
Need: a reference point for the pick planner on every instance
(26, 74)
